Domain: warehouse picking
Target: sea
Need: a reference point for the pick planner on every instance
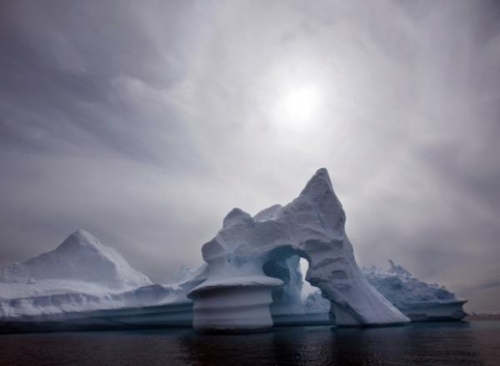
(431, 344)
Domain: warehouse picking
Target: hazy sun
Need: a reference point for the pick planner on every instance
(298, 106)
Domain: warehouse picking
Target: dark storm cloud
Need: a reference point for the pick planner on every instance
(145, 122)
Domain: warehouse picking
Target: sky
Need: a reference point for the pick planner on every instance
(145, 122)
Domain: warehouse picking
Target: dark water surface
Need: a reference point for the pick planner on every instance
(474, 343)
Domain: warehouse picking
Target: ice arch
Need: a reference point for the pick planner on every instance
(287, 307)
(237, 293)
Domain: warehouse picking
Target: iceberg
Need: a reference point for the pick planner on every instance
(237, 293)
(418, 300)
(81, 279)
(81, 257)
(251, 280)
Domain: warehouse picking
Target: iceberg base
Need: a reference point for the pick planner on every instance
(234, 307)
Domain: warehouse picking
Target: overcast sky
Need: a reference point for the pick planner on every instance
(145, 122)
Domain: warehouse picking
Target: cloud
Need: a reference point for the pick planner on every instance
(146, 123)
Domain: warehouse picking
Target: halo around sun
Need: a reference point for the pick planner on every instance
(298, 107)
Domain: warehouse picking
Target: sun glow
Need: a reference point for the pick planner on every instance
(298, 107)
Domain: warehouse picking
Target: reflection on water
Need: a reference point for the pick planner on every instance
(462, 343)
(445, 344)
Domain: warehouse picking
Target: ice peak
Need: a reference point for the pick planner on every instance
(319, 184)
(235, 216)
(397, 269)
(84, 235)
(80, 239)
(320, 194)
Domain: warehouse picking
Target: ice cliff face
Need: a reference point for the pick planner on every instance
(81, 257)
(311, 226)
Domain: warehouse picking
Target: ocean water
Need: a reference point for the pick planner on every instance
(432, 344)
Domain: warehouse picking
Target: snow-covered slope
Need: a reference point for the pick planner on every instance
(311, 226)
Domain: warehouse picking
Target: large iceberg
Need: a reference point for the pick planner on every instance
(251, 279)
(237, 293)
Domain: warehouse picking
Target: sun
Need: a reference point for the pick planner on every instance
(298, 107)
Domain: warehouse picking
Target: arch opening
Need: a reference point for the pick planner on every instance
(296, 302)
